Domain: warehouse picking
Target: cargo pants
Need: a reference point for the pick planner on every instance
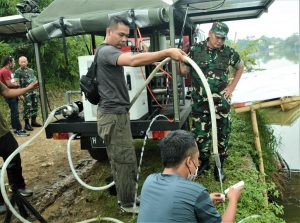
(115, 130)
(201, 125)
(30, 105)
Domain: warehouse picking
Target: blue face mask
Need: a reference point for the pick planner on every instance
(191, 176)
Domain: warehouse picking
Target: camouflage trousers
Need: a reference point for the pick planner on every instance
(30, 105)
(201, 125)
(115, 130)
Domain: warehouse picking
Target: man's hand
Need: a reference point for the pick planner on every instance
(216, 198)
(228, 91)
(33, 85)
(176, 54)
(234, 193)
(184, 69)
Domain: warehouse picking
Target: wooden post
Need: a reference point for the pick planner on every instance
(258, 149)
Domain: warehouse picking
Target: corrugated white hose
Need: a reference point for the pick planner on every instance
(7, 161)
(76, 175)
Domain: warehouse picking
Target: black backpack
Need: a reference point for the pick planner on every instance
(89, 84)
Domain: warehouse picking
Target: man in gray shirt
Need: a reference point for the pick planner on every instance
(113, 117)
(172, 196)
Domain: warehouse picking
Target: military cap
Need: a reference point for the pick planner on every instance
(220, 29)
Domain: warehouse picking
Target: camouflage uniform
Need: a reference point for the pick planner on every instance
(214, 64)
(25, 77)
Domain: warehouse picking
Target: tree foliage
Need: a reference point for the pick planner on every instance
(269, 48)
(246, 52)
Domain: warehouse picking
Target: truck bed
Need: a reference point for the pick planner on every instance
(138, 127)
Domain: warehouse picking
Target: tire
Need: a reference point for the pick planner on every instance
(97, 151)
(98, 154)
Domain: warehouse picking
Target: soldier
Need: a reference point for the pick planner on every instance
(214, 59)
(25, 76)
(6, 77)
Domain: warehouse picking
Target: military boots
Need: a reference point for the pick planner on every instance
(34, 123)
(27, 125)
(204, 166)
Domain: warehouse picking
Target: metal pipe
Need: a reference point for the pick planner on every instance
(41, 82)
(173, 68)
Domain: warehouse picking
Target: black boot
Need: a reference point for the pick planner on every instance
(216, 174)
(27, 125)
(204, 166)
(34, 123)
(223, 156)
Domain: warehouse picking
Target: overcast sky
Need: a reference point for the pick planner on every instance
(281, 20)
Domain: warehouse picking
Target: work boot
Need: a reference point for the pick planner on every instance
(216, 174)
(25, 192)
(131, 209)
(112, 190)
(34, 123)
(27, 125)
(204, 166)
(21, 132)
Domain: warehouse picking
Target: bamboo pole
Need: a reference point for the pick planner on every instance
(258, 149)
(252, 108)
(267, 104)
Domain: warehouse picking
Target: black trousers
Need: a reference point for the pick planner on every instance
(8, 144)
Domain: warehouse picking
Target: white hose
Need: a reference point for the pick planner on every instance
(207, 89)
(248, 218)
(22, 147)
(149, 79)
(7, 161)
(76, 175)
(101, 219)
(210, 103)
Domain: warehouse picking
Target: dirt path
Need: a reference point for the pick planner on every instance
(46, 169)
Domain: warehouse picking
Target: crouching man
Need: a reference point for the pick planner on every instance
(172, 196)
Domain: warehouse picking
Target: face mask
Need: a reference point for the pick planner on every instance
(191, 176)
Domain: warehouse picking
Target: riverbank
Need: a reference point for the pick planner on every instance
(239, 166)
(291, 201)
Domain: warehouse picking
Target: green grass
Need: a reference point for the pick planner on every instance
(238, 166)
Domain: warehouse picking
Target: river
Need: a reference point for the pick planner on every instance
(278, 78)
(289, 148)
(288, 137)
